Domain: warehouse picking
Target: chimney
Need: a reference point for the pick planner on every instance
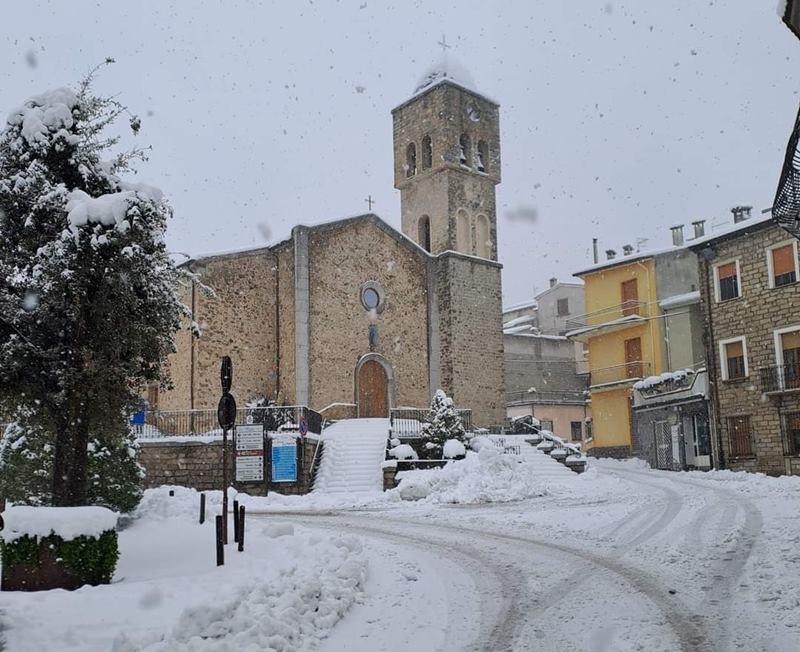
(611, 254)
(553, 282)
(594, 251)
(627, 249)
(699, 228)
(677, 235)
(740, 213)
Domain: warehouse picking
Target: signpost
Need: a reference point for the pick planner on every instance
(226, 415)
(250, 453)
(284, 458)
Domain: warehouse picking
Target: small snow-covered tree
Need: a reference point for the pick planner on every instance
(88, 293)
(444, 424)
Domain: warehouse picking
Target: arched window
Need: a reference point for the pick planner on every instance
(483, 156)
(424, 233)
(483, 246)
(463, 235)
(427, 152)
(411, 160)
(464, 153)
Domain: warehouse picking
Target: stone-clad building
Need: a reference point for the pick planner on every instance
(356, 315)
(749, 276)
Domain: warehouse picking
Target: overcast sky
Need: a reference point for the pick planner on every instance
(618, 119)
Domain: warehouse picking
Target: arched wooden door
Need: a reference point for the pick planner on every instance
(373, 390)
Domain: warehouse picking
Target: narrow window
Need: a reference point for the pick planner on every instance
(483, 246)
(562, 307)
(734, 360)
(792, 432)
(463, 235)
(411, 160)
(546, 424)
(790, 352)
(483, 156)
(465, 155)
(728, 281)
(740, 437)
(427, 153)
(784, 268)
(575, 430)
(589, 429)
(630, 297)
(424, 233)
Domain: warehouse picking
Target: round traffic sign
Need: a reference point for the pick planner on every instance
(303, 426)
(226, 412)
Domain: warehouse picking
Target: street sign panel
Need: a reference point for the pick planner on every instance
(284, 459)
(250, 453)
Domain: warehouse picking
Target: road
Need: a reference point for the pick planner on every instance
(666, 563)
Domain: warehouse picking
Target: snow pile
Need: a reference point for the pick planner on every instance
(483, 477)
(403, 452)
(666, 377)
(453, 448)
(66, 522)
(44, 115)
(286, 591)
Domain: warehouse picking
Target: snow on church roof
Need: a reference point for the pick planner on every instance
(446, 68)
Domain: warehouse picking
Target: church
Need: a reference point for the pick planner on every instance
(354, 318)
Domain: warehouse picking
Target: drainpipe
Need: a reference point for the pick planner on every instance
(192, 343)
(711, 368)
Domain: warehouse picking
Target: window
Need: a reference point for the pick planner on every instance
(483, 246)
(782, 264)
(464, 153)
(575, 430)
(562, 307)
(372, 297)
(589, 429)
(702, 437)
(791, 429)
(424, 233)
(739, 436)
(463, 235)
(633, 358)
(411, 160)
(427, 152)
(727, 280)
(546, 424)
(630, 297)
(483, 156)
(733, 358)
(788, 355)
(152, 397)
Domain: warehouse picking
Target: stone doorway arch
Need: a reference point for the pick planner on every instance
(374, 386)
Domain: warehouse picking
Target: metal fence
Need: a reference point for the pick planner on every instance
(407, 423)
(172, 423)
(782, 378)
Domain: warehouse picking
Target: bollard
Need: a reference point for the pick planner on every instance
(224, 520)
(241, 528)
(171, 492)
(202, 508)
(220, 543)
(235, 521)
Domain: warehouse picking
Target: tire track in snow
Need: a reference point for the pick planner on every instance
(522, 603)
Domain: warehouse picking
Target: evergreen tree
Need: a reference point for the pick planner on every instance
(444, 424)
(88, 301)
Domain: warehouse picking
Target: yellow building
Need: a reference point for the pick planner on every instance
(623, 332)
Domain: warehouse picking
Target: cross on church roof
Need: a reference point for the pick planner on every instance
(370, 201)
(444, 44)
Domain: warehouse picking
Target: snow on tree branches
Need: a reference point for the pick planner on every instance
(88, 292)
(445, 425)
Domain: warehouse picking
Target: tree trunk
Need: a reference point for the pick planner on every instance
(69, 464)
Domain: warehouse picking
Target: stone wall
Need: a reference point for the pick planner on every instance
(343, 258)
(471, 333)
(199, 466)
(756, 314)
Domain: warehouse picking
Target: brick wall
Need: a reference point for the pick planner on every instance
(755, 315)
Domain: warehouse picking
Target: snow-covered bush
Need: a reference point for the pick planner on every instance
(88, 292)
(26, 468)
(445, 424)
(403, 452)
(453, 449)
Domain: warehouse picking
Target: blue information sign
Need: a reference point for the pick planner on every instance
(284, 460)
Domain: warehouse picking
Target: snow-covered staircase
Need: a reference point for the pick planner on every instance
(352, 452)
(544, 465)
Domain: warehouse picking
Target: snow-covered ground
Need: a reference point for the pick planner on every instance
(619, 558)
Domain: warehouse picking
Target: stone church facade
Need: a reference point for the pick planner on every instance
(354, 316)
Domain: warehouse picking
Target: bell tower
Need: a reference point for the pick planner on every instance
(447, 164)
(446, 167)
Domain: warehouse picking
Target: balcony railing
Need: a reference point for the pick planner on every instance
(781, 378)
(407, 423)
(609, 314)
(630, 371)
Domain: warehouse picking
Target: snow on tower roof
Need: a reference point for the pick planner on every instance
(446, 68)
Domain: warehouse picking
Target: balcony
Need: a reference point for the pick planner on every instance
(781, 378)
(606, 320)
(629, 372)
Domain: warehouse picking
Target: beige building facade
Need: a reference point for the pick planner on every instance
(354, 316)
